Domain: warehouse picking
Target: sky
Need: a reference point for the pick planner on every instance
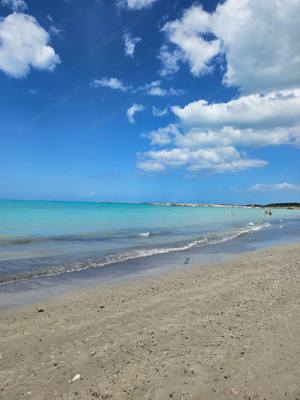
(150, 100)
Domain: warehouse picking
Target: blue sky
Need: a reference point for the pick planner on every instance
(150, 100)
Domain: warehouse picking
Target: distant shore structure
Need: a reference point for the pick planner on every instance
(290, 206)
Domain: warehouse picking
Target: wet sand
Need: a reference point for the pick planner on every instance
(229, 331)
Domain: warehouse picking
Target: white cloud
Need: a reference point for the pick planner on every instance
(273, 109)
(275, 187)
(248, 122)
(55, 31)
(154, 89)
(133, 110)
(111, 83)
(260, 41)
(162, 136)
(130, 43)
(159, 112)
(260, 45)
(136, 4)
(24, 45)
(228, 136)
(217, 160)
(253, 120)
(15, 5)
(150, 166)
(170, 60)
(187, 34)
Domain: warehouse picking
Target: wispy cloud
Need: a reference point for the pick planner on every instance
(170, 60)
(55, 31)
(155, 89)
(162, 136)
(15, 5)
(111, 83)
(135, 4)
(284, 186)
(33, 91)
(159, 112)
(151, 89)
(135, 108)
(130, 43)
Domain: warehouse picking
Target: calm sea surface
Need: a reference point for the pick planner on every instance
(41, 238)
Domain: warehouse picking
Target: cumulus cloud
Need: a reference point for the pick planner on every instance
(251, 121)
(24, 44)
(259, 44)
(111, 83)
(15, 5)
(133, 110)
(136, 4)
(260, 55)
(273, 109)
(261, 40)
(130, 43)
(187, 34)
(228, 136)
(217, 160)
(275, 187)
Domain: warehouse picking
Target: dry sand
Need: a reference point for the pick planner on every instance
(230, 331)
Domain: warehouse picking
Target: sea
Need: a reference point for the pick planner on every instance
(44, 243)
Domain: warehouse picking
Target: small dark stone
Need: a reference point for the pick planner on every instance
(41, 310)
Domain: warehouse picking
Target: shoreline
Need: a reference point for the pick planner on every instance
(40, 288)
(230, 330)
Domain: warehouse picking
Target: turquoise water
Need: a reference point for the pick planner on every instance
(40, 238)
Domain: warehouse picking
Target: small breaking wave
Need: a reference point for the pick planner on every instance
(135, 254)
(144, 234)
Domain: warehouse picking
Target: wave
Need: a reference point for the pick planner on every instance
(145, 234)
(88, 237)
(135, 254)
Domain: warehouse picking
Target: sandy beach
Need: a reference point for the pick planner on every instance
(229, 331)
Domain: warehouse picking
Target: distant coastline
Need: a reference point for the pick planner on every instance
(271, 205)
(286, 205)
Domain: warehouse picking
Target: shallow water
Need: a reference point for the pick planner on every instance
(40, 238)
(40, 259)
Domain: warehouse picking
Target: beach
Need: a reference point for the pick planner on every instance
(225, 331)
